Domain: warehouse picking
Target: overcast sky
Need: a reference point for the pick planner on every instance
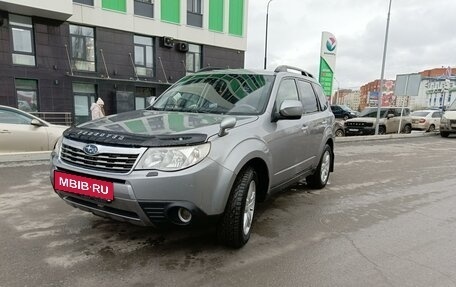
(422, 35)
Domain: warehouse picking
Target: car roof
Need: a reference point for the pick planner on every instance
(283, 69)
(24, 113)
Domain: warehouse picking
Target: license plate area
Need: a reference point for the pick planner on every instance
(353, 130)
(82, 185)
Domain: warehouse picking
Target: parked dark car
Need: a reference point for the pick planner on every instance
(343, 112)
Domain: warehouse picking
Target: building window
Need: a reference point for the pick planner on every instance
(22, 35)
(144, 8)
(27, 95)
(144, 56)
(144, 97)
(84, 96)
(85, 2)
(194, 13)
(82, 48)
(193, 59)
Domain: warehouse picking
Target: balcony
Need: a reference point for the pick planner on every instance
(53, 9)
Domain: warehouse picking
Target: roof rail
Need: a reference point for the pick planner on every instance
(285, 68)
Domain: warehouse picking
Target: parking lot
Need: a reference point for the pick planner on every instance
(386, 218)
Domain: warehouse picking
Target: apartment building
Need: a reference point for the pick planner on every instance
(61, 55)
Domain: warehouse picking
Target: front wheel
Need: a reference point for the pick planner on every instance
(235, 225)
(444, 134)
(320, 177)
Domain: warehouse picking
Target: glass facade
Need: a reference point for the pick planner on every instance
(144, 56)
(23, 43)
(27, 95)
(82, 48)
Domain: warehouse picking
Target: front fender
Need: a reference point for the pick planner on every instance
(235, 157)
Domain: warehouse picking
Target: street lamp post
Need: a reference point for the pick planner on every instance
(379, 101)
(266, 36)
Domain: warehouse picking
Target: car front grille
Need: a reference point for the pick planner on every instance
(358, 124)
(109, 162)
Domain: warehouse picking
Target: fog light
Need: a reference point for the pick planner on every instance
(184, 215)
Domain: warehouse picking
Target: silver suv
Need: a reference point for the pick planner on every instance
(210, 147)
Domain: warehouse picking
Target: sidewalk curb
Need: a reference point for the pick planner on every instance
(384, 137)
(25, 156)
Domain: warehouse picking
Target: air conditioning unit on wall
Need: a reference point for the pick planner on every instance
(168, 42)
(182, 47)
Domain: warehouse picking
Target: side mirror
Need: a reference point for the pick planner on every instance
(291, 110)
(36, 123)
(390, 116)
(227, 123)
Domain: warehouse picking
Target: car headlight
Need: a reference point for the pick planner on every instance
(57, 147)
(173, 158)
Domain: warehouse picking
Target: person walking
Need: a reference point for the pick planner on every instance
(97, 109)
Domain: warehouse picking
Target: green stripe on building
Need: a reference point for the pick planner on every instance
(216, 15)
(116, 5)
(170, 11)
(236, 19)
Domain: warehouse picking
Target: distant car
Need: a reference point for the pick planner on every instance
(426, 120)
(390, 119)
(338, 129)
(343, 112)
(22, 132)
(448, 121)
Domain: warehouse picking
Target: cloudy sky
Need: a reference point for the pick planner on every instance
(422, 35)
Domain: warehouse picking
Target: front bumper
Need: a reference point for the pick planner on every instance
(359, 130)
(153, 197)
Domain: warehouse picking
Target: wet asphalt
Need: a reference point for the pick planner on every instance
(386, 218)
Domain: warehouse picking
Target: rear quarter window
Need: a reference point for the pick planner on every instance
(322, 99)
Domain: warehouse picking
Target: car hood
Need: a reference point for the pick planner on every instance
(362, 120)
(152, 128)
(451, 115)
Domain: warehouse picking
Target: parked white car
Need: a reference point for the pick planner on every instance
(448, 121)
(426, 120)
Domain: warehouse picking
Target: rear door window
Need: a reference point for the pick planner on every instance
(308, 97)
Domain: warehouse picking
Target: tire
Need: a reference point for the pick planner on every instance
(431, 128)
(235, 226)
(320, 177)
(444, 134)
(381, 130)
(407, 129)
(339, 133)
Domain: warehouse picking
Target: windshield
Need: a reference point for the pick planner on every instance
(236, 94)
(452, 107)
(372, 113)
(419, 114)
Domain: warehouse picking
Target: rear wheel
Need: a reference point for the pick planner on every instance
(407, 129)
(444, 134)
(381, 130)
(321, 175)
(431, 128)
(235, 225)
